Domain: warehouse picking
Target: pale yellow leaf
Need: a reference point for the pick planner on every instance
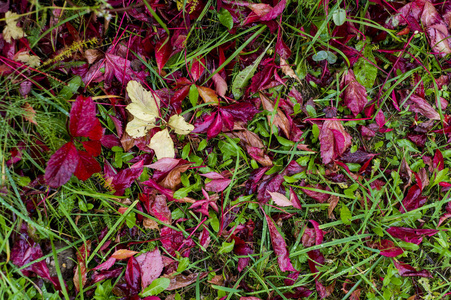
(180, 126)
(11, 30)
(162, 144)
(137, 128)
(145, 104)
(30, 60)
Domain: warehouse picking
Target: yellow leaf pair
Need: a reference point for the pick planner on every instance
(145, 108)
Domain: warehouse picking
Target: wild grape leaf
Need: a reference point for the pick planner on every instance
(208, 95)
(413, 199)
(279, 246)
(387, 248)
(280, 119)
(354, 94)
(87, 165)
(280, 199)
(220, 84)
(61, 165)
(274, 12)
(162, 144)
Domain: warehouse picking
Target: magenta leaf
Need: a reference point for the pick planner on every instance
(354, 95)
(406, 270)
(410, 235)
(274, 12)
(151, 264)
(197, 68)
(25, 251)
(217, 185)
(279, 246)
(61, 165)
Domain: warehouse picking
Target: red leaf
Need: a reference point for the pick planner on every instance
(163, 51)
(406, 270)
(197, 68)
(387, 248)
(413, 199)
(94, 148)
(438, 162)
(83, 121)
(106, 265)
(333, 145)
(133, 276)
(151, 264)
(279, 246)
(61, 165)
(87, 166)
(354, 95)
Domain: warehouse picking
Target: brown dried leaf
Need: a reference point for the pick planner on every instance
(280, 120)
(179, 281)
(333, 201)
(173, 179)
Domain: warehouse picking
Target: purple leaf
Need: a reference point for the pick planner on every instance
(279, 246)
(419, 105)
(241, 111)
(61, 165)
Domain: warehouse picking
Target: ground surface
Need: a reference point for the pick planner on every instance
(225, 149)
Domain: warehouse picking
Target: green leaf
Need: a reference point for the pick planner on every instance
(156, 287)
(193, 95)
(226, 247)
(321, 55)
(345, 215)
(315, 131)
(202, 145)
(364, 71)
(71, 88)
(183, 264)
(241, 80)
(225, 18)
(441, 176)
(339, 17)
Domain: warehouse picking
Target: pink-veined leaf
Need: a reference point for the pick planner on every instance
(333, 145)
(83, 121)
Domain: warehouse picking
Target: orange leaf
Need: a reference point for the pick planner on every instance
(208, 95)
(123, 254)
